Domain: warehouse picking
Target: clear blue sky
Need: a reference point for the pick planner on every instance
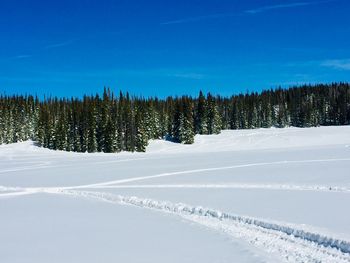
(67, 48)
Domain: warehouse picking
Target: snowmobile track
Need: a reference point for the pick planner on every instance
(289, 243)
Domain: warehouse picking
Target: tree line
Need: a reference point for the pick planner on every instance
(114, 123)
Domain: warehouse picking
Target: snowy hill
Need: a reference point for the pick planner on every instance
(272, 138)
(265, 195)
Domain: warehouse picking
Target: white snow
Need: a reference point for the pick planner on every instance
(272, 138)
(266, 195)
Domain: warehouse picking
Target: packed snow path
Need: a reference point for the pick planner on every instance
(290, 243)
(285, 241)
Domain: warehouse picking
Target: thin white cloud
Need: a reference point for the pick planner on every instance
(61, 44)
(190, 75)
(246, 12)
(21, 56)
(198, 18)
(56, 45)
(340, 64)
(281, 6)
(117, 72)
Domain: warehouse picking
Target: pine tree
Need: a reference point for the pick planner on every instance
(214, 119)
(183, 130)
(141, 139)
(201, 120)
(110, 132)
(92, 127)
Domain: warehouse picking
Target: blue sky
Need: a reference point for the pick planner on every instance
(67, 48)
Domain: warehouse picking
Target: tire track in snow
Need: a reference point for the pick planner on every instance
(287, 242)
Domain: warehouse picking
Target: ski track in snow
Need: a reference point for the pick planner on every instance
(15, 191)
(320, 188)
(47, 164)
(288, 243)
(37, 165)
(142, 178)
(116, 183)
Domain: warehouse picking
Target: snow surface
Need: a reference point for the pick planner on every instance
(266, 195)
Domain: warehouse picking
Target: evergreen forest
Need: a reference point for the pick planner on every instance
(120, 122)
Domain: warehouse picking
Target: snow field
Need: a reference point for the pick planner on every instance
(277, 194)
